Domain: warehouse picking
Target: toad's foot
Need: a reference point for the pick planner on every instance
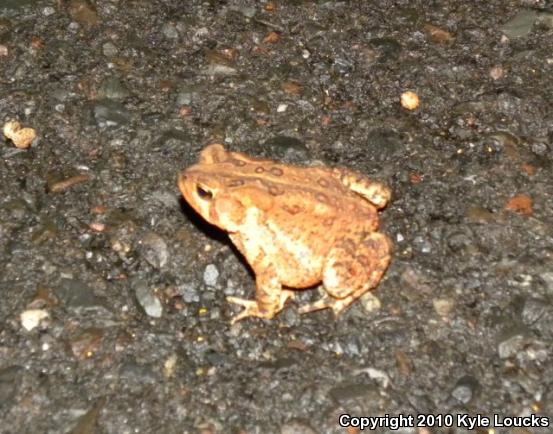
(337, 305)
(252, 307)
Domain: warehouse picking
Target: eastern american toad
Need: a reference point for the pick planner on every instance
(296, 226)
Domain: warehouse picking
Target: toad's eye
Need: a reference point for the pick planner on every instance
(203, 193)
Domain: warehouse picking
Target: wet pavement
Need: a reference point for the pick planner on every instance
(114, 316)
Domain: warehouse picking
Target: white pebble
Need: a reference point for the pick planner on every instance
(211, 274)
(48, 10)
(31, 318)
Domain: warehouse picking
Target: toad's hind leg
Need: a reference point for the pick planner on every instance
(374, 192)
(351, 270)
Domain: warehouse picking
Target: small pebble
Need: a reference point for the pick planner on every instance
(66, 184)
(48, 10)
(147, 300)
(97, 226)
(436, 34)
(109, 49)
(110, 113)
(211, 274)
(30, 319)
(520, 25)
(220, 70)
(443, 307)
(83, 13)
(375, 374)
(170, 31)
(21, 137)
(422, 244)
(112, 88)
(540, 148)
(410, 100)
(154, 249)
(185, 97)
(189, 293)
(37, 43)
(185, 111)
(497, 72)
(292, 87)
(271, 38)
(170, 365)
(465, 389)
(370, 302)
(512, 342)
(521, 204)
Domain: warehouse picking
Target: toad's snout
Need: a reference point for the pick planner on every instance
(181, 181)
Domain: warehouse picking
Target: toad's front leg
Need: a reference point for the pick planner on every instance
(270, 298)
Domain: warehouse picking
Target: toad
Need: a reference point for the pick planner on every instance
(296, 227)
